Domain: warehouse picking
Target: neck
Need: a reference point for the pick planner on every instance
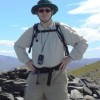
(45, 25)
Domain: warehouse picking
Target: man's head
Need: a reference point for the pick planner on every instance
(44, 3)
(45, 14)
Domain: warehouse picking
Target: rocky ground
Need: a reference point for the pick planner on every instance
(94, 76)
(13, 84)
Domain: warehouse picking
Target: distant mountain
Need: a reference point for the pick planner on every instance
(8, 63)
(81, 63)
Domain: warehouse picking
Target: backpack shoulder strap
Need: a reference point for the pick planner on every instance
(35, 32)
(61, 37)
(59, 33)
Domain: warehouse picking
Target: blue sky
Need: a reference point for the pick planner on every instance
(81, 15)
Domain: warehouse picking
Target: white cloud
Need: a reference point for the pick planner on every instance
(91, 27)
(88, 6)
(6, 42)
(90, 34)
(93, 21)
(24, 28)
(6, 51)
(14, 25)
(96, 49)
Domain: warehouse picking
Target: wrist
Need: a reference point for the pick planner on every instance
(70, 58)
(28, 61)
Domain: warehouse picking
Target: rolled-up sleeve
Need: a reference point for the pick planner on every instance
(78, 43)
(22, 43)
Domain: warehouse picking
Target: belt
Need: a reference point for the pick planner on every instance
(46, 70)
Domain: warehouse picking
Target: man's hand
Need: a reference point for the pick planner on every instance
(65, 61)
(29, 64)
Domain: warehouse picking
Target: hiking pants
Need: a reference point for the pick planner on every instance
(56, 91)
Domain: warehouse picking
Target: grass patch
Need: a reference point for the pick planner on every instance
(91, 69)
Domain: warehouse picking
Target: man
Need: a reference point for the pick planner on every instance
(48, 53)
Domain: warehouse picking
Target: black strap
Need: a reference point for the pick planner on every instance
(61, 37)
(59, 33)
(46, 70)
(35, 33)
(49, 77)
(35, 30)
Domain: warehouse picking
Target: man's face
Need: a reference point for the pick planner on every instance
(44, 13)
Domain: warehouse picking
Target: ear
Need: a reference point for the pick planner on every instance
(52, 11)
(37, 13)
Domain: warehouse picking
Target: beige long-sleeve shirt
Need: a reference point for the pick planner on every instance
(53, 48)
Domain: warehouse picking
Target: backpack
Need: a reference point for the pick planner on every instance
(57, 30)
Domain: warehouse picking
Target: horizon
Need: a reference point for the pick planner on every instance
(73, 60)
(82, 15)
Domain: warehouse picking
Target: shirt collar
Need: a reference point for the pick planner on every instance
(49, 27)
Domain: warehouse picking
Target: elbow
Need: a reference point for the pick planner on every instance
(15, 45)
(86, 44)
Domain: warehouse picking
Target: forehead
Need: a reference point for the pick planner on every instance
(44, 8)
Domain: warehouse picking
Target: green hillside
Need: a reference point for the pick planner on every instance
(91, 71)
